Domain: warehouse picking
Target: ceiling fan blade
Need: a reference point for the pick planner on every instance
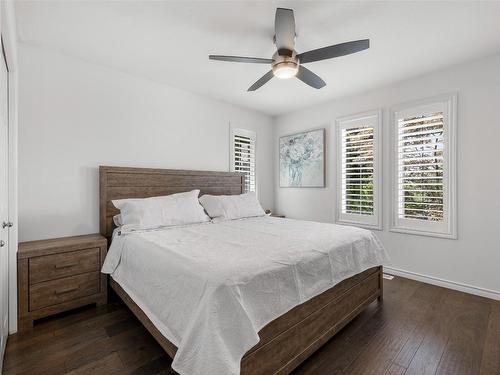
(309, 78)
(264, 79)
(242, 59)
(334, 51)
(284, 29)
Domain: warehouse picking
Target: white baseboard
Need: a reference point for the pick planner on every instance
(488, 293)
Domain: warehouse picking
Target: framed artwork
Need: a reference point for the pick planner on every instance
(302, 159)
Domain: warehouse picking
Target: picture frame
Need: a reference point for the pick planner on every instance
(302, 159)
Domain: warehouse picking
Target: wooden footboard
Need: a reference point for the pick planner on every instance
(288, 340)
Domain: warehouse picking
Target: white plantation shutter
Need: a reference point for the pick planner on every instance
(420, 167)
(357, 171)
(243, 156)
(358, 180)
(424, 169)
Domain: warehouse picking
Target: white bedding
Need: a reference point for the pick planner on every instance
(209, 288)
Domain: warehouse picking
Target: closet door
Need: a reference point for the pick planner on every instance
(4, 209)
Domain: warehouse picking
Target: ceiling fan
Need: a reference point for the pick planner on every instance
(286, 62)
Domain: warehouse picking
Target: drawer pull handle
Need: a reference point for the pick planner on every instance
(67, 265)
(63, 291)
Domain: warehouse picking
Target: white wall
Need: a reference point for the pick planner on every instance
(75, 116)
(472, 260)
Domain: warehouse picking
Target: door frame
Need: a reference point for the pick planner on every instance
(8, 33)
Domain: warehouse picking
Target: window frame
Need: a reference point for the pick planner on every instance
(446, 103)
(374, 221)
(244, 133)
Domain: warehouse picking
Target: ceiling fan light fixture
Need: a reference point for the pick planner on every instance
(285, 69)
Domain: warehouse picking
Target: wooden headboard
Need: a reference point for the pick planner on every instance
(125, 182)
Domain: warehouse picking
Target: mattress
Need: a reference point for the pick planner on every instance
(210, 288)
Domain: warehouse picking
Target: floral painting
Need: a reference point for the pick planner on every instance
(302, 159)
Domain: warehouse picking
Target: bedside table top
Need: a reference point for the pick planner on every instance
(58, 245)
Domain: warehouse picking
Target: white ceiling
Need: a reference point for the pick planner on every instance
(170, 42)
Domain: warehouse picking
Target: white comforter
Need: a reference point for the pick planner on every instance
(209, 288)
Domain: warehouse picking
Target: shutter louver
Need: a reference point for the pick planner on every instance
(420, 167)
(357, 171)
(244, 159)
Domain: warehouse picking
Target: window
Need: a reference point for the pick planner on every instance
(243, 156)
(424, 181)
(359, 176)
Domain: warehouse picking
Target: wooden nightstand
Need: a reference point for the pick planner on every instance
(59, 274)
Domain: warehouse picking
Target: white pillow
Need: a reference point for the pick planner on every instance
(117, 219)
(230, 207)
(155, 212)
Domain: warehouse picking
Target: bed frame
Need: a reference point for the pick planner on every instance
(286, 341)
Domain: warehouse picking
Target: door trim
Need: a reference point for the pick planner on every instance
(8, 33)
(4, 292)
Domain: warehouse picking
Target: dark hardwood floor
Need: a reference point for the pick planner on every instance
(418, 329)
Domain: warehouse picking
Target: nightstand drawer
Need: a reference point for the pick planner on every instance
(55, 266)
(50, 293)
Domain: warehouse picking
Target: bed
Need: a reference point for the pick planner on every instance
(281, 342)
